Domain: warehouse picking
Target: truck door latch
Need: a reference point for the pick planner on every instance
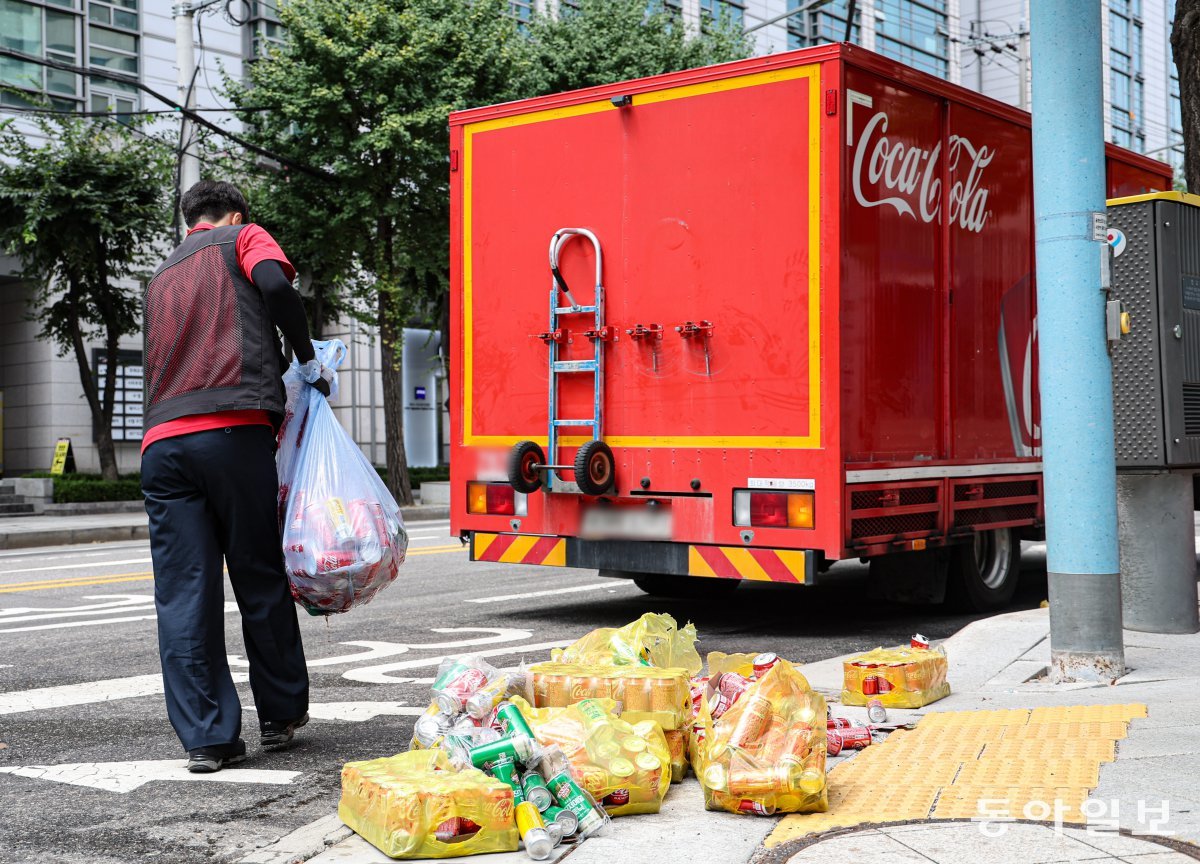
(559, 335)
(607, 333)
(637, 331)
(688, 329)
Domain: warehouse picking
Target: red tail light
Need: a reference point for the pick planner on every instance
(494, 499)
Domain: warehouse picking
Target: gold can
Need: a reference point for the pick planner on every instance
(593, 778)
(620, 767)
(637, 694)
(664, 694)
(554, 691)
(716, 777)
(632, 745)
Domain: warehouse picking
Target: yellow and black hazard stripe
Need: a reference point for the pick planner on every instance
(759, 565)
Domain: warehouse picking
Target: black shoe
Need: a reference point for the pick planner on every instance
(206, 760)
(277, 734)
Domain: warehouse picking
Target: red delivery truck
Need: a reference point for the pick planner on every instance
(743, 321)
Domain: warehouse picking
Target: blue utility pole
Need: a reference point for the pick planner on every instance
(1075, 371)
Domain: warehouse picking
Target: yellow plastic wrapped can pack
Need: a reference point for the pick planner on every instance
(766, 753)
(660, 695)
(677, 746)
(652, 640)
(412, 806)
(625, 766)
(900, 677)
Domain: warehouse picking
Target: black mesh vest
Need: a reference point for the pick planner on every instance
(209, 344)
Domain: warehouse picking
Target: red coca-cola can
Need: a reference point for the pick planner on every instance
(919, 641)
(870, 685)
(756, 807)
(763, 662)
(833, 742)
(853, 738)
(718, 704)
(876, 713)
(883, 685)
(336, 559)
(616, 798)
(733, 685)
(838, 723)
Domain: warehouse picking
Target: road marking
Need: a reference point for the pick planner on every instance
(591, 586)
(380, 674)
(77, 566)
(379, 650)
(434, 550)
(124, 604)
(357, 712)
(87, 693)
(78, 624)
(230, 606)
(123, 777)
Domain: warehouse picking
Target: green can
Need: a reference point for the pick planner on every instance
(537, 792)
(506, 771)
(512, 721)
(568, 820)
(514, 748)
(570, 797)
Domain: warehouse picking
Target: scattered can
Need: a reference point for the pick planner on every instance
(512, 721)
(763, 662)
(919, 641)
(563, 817)
(537, 792)
(876, 713)
(514, 748)
(840, 722)
(454, 686)
(570, 797)
(854, 738)
(747, 805)
(532, 829)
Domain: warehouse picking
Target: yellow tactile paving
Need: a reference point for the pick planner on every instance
(1078, 773)
(1010, 763)
(1112, 730)
(983, 802)
(1100, 749)
(1088, 714)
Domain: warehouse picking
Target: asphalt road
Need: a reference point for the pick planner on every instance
(80, 684)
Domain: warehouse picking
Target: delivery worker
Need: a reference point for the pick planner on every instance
(214, 401)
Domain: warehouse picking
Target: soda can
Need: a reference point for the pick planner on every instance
(555, 830)
(732, 685)
(633, 745)
(718, 704)
(343, 533)
(840, 722)
(621, 768)
(764, 662)
(536, 791)
(833, 742)
(505, 770)
(854, 738)
(919, 641)
(335, 559)
(458, 683)
(664, 694)
(554, 691)
(756, 717)
(876, 712)
(455, 828)
(796, 745)
(747, 805)
(514, 748)
(481, 703)
(637, 695)
(870, 685)
(883, 685)
(532, 829)
(563, 817)
(616, 798)
(716, 777)
(570, 797)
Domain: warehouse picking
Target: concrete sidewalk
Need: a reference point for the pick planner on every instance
(23, 532)
(994, 663)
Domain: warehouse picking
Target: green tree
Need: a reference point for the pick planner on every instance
(615, 40)
(361, 89)
(83, 213)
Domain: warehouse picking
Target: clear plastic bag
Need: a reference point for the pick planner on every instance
(343, 536)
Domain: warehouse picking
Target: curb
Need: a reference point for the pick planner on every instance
(305, 842)
(114, 533)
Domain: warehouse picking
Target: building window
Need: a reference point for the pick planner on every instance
(915, 33)
(722, 12)
(42, 30)
(1125, 82)
(826, 24)
(522, 10)
(263, 32)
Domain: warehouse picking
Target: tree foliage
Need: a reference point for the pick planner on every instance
(83, 213)
(1185, 45)
(615, 40)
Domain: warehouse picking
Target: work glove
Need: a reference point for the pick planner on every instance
(318, 375)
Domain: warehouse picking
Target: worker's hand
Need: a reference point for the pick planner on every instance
(322, 385)
(319, 375)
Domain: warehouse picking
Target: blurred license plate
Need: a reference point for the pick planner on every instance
(626, 523)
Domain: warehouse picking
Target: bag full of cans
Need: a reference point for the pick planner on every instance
(415, 806)
(467, 693)
(660, 695)
(549, 804)
(343, 536)
(907, 676)
(624, 766)
(677, 748)
(652, 640)
(765, 752)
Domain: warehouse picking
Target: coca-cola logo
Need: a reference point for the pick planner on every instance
(910, 176)
(502, 810)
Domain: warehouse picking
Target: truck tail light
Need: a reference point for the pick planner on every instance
(495, 499)
(773, 509)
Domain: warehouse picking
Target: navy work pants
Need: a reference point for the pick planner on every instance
(212, 496)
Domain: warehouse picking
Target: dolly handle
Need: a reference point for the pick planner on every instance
(560, 238)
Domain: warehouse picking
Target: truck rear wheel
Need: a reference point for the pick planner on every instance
(670, 585)
(984, 573)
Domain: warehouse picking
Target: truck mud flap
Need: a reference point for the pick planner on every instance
(795, 566)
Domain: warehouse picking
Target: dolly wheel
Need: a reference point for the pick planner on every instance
(594, 468)
(522, 473)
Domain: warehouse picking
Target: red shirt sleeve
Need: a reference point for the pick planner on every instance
(255, 245)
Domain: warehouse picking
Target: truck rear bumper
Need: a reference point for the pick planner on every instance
(795, 566)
